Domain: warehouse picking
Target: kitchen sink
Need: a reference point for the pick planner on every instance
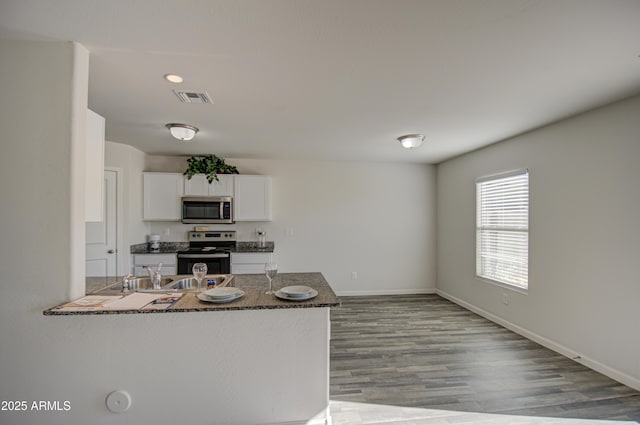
(189, 283)
(180, 283)
(184, 284)
(136, 284)
(140, 284)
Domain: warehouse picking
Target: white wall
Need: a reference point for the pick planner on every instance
(584, 287)
(131, 161)
(376, 219)
(187, 368)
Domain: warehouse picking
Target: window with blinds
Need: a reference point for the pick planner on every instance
(502, 228)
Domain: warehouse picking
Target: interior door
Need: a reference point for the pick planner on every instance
(101, 240)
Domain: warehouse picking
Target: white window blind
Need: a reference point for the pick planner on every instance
(502, 228)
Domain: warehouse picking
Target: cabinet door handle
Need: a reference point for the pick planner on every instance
(111, 251)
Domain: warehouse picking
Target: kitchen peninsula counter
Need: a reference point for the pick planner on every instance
(254, 286)
(260, 348)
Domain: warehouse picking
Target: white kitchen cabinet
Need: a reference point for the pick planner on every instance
(162, 193)
(169, 263)
(252, 198)
(94, 167)
(198, 185)
(249, 262)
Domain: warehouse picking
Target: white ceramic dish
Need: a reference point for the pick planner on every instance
(220, 300)
(222, 293)
(307, 296)
(297, 291)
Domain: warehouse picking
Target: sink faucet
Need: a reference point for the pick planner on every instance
(125, 283)
(155, 276)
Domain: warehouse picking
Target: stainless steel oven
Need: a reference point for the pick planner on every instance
(207, 209)
(212, 248)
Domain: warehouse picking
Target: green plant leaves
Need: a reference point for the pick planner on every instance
(210, 165)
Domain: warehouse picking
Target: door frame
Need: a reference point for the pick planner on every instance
(119, 224)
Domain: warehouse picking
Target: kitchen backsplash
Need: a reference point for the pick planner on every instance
(246, 231)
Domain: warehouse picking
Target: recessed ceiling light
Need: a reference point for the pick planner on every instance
(173, 78)
(411, 141)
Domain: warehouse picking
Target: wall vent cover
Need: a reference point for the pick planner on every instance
(193, 97)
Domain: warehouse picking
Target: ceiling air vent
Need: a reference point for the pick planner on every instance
(193, 97)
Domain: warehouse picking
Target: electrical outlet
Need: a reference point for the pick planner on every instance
(354, 275)
(505, 299)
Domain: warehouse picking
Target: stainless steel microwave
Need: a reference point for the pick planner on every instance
(207, 209)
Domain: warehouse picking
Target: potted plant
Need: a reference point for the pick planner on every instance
(210, 165)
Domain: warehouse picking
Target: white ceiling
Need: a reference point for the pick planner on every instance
(341, 79)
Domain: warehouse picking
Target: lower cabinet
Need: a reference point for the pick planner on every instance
(249, 262)
(169, 263)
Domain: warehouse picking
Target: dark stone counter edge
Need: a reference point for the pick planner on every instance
(289, 305)
(173, 247)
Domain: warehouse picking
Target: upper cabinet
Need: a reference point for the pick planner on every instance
(199, 186)
(162, 193)
(94, 167)
(252, 198)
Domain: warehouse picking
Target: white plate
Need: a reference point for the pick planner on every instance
(308, 296)
(222, 293)
(230, 297)
(202, 297)
(297, 291)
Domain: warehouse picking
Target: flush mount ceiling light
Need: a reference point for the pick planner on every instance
(182, 131)
(173, 78)
(411, 141)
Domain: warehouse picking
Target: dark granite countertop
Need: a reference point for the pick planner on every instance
(254, 286)
(253, 247)
(173, 247)
(165, 248)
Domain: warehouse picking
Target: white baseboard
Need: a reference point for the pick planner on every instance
(552, 345)
(386, 292)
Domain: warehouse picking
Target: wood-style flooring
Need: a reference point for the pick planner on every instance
(425, 351)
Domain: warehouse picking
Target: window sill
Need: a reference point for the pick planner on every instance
(503, 285)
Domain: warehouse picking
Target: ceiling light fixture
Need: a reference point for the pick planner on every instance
(173, 78)
(182, 131)
(411, 141)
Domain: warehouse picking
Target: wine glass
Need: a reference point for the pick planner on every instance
(199, 272)
(271, 270)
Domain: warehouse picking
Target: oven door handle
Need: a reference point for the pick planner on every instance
(203, 255)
